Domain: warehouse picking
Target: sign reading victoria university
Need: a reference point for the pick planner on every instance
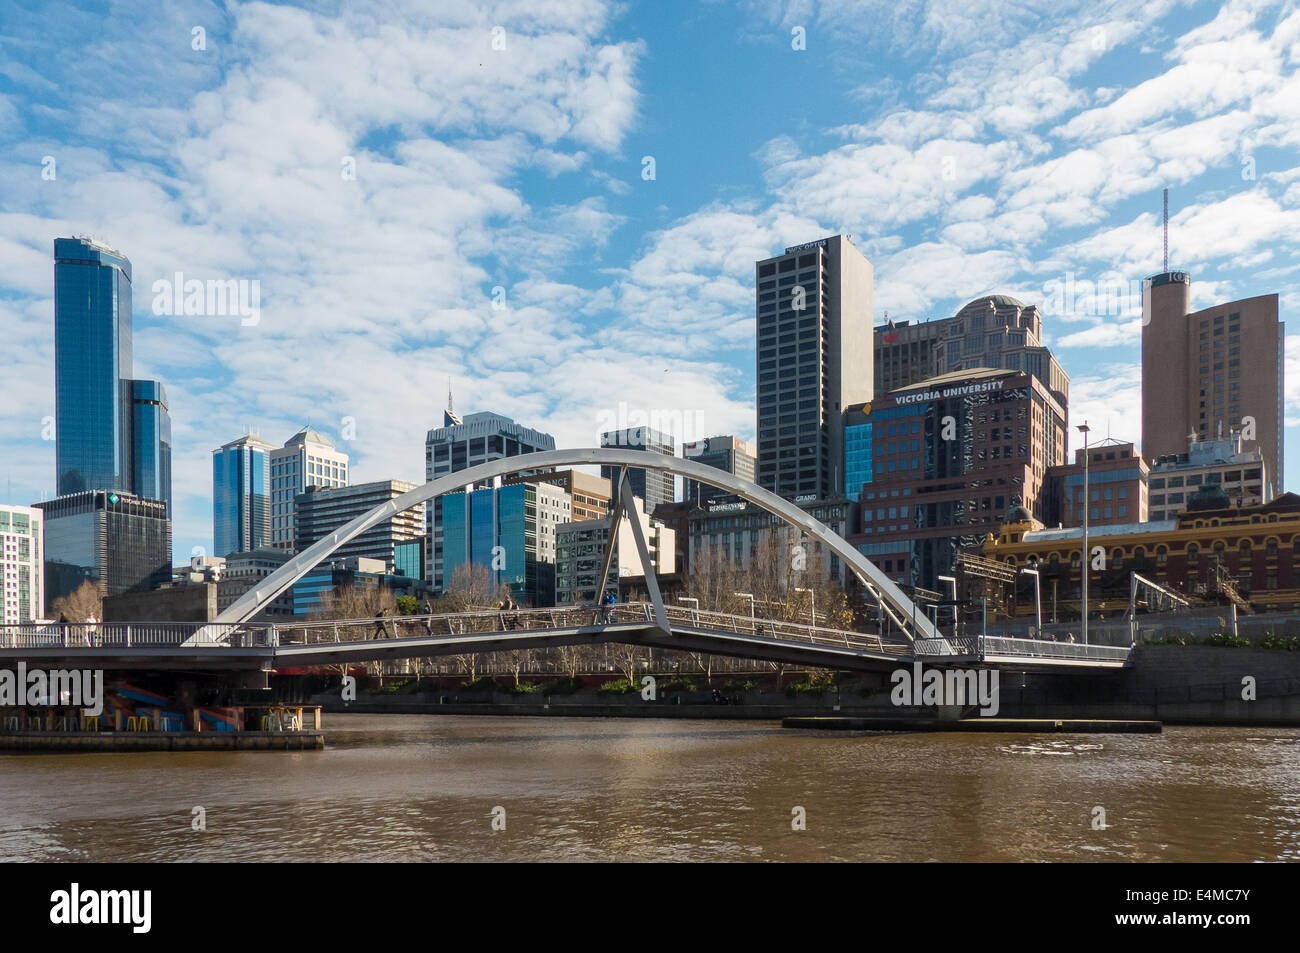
(956, 390)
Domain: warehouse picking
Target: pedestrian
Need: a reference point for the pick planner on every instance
(381, 624)
(427, 608)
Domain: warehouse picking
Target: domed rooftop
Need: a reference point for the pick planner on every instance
(999, 301)
(1018, 514)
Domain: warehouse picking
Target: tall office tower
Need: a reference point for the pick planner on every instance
(814, 317)
(151, 455)
(652, 486)
(458, 444)
(1210, 373)
(308, 458)
(949, 458)
(996, 331)
(735, 456)
(589, 494)
(580, 555)
(22, 564)
(510, 531)
(398, 542)
(92, 367)
(241, 496)
(117, 541)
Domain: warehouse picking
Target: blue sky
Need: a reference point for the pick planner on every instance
(967, 149)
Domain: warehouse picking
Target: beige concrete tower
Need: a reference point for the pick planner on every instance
(1210, 374)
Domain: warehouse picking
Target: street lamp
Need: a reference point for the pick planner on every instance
(750, 597)
(1084, 429)
(953, 581)
(1038, 603)
(812, 593)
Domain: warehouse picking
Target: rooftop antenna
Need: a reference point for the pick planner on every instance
(1166, 230)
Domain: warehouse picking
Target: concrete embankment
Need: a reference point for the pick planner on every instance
(1173, 684)
(1069, 726)
(72, 742)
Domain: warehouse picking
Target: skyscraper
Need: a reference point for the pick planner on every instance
(730, 454)
(652, 486)
(308, 458)
(459, 444)
(111, 432)
(510, 531)
(151, 453)
(814, 323)
(399, 542)
(117, 541)
(241, 491)
(92, 367)
(22, 564)
(1210, 374)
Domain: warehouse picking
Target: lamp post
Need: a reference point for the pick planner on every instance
(752, 615)
(953, 581)
(1038, 603)
(812, 594)
(1084, 429)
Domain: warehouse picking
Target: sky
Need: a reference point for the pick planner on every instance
(555, 206)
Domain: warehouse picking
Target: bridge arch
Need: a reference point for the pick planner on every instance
(273, 585)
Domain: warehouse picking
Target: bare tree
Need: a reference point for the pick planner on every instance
(81, 604)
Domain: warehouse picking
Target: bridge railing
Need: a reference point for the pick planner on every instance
(1038, 648)
(773, 628)
(131, 635)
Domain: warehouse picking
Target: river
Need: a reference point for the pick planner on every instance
(424, 787)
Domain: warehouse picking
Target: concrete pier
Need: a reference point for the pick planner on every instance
(73, 742)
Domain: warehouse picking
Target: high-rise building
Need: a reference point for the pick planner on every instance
(307, 459)
(739, 533)
(397, 542)
(580, 555)
(996, 331)
(652, 486)
(1210, 373)
(111, 432)
(814, 325)
(117, 541)
(510, 531)
(458, 444)
(311, 592)
(241, 496)
(589, 495)
(151, 457)
(950, 457)
(22, 564)
(92, 367)
(730, 454)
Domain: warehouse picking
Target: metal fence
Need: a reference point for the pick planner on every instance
(126, 635)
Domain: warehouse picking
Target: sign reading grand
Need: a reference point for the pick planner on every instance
(957, 390)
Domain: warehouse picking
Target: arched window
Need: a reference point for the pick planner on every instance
(1117, 559)
(1270, 547)
(1193, 553)
(1162, 555)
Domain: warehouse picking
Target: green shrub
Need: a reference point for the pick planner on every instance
(738, 686)
(681, 683)
(526, 688)
(1287, 643)
(1227, 640)
(620, 686)
(485, 683)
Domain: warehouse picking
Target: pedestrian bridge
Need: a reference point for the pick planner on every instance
(229, 646)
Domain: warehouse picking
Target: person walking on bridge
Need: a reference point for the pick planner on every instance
(427, 609)
(381, 624)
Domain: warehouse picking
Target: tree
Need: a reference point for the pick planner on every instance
(81, 604)
(472, 587)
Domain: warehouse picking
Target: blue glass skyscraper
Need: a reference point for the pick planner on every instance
(241, 496)
(151, 453)
(92, 367)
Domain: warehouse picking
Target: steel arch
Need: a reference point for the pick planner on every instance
(252, 601)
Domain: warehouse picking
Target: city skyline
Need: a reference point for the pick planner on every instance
(613, 283)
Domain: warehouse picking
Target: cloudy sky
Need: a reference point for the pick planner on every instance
(613, 171)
